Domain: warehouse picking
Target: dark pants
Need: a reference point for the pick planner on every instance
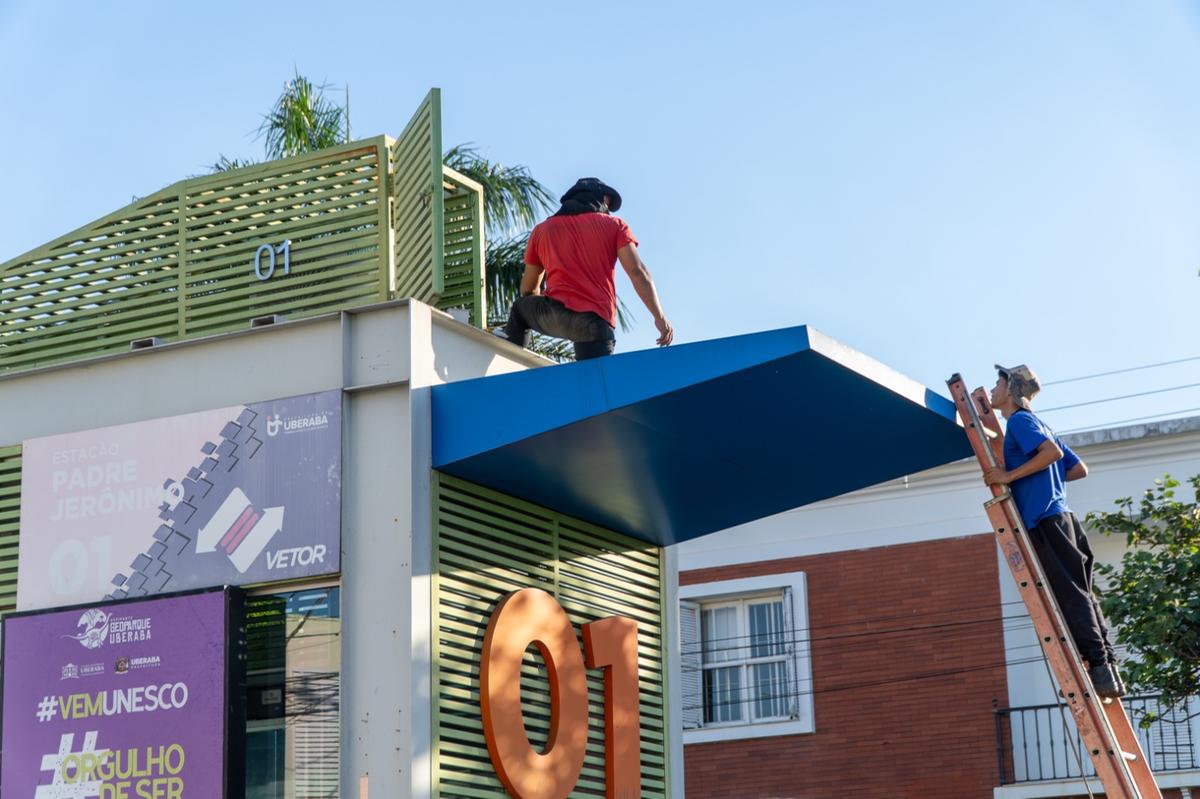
(1066, 558)
(591, 335)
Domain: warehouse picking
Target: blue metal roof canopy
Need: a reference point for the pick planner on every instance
(668, 445)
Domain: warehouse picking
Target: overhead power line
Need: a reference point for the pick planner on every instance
(908, 618)
(745, 694)
(869, 683)
(803, 650)
(799, 636)
(1123, 396)
(1121, 371)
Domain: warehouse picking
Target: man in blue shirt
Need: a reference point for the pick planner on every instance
(1037, 464)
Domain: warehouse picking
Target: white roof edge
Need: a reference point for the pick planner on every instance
(911, 389)
(175, 344)
(876, 371)
(501, 345)
(438, 316)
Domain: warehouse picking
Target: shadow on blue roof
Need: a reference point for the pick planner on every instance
(670, 444)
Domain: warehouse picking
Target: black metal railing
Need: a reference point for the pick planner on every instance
(1040, 742)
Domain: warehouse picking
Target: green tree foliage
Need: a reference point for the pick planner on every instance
(513, 198)
(303, 120)
(225, 163)
(1153, 595)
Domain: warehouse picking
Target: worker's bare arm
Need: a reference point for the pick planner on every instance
(643, 284)
(1078, 471)
(531, 281)
(1048, 453)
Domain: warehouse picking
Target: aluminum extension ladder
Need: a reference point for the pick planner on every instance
(1103, 725)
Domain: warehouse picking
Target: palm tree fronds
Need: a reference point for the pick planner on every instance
(513, 198)
(556, 349)
(504, 266)
(302, 120)
(625, 316)
(224, 163)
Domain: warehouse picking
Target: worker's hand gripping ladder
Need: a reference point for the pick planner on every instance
(1103, 725)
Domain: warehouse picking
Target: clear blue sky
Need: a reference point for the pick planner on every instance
(941, 185)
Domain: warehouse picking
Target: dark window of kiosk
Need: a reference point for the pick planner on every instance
(293, 677)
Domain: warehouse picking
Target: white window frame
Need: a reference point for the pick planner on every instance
(750, 588)
(745, 662)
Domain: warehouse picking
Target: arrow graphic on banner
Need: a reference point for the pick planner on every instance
(222, 521)
(257, 539)
(240, 530)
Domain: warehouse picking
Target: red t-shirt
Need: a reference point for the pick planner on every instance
(578, 253)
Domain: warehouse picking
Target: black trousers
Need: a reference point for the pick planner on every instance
(1066, 558)
(591, 335)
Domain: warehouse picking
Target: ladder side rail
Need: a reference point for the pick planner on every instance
(987, 416)
(1127, 741)
(1057, 644)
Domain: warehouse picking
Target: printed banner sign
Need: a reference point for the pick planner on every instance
(116, 701)
(238, 495)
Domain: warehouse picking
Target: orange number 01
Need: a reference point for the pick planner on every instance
(532, 616)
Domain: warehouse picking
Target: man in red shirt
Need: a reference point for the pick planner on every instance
(577, 250)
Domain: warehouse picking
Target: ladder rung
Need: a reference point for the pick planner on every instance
(996, 500)
(1130, 756)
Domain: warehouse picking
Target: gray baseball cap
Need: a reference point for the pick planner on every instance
(1023, 382)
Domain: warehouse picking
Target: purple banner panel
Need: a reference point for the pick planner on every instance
(232, 496)
(123, 701)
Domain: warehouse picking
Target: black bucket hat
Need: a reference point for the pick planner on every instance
(594, 186)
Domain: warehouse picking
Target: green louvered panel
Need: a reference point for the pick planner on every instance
(326, 204)
(10, 507)
(95, 289)
(487, 545)
(417, 205)
(463, 247)
(180, 263)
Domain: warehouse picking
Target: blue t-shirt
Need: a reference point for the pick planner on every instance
(1040, 494)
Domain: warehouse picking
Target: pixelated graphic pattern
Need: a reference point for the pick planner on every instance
(203, 490)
